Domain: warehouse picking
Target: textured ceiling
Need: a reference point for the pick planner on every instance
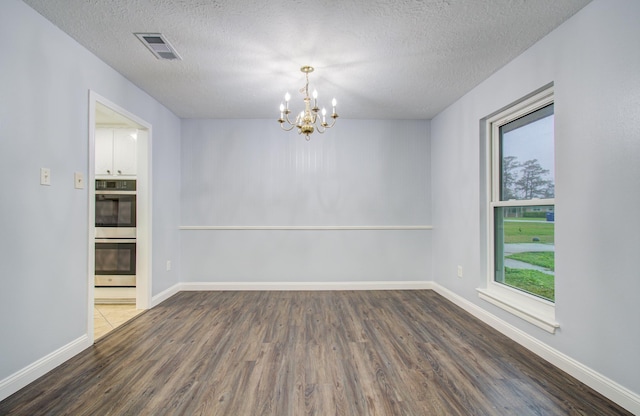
(381, 59)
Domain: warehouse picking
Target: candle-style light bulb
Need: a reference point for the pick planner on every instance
(315, 94)
(324, 114)
(281, 110)
(334, 102)
(287, 97)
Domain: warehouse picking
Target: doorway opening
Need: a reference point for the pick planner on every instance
(119, 275)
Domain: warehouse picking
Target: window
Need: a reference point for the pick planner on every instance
(521, 210)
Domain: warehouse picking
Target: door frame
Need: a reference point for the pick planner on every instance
(144, 206)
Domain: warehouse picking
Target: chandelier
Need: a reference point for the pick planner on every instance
(308, 120)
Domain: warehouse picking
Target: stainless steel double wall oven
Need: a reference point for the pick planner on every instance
(115, 253)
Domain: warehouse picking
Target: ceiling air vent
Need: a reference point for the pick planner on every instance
(158, 45)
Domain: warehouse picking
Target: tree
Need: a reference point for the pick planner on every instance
(550, 190)
(510, 167)
(532, 182)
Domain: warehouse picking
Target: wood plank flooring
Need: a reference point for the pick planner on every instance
(306, 353)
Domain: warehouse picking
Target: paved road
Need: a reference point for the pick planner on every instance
(531, 222)
(522, 247)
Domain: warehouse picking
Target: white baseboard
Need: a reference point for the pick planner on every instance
(166, 294)
(369, 285)
(37, 369)
(605, 386)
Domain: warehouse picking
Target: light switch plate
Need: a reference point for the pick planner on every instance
(45, 176)
(78, 180)
(459, 271)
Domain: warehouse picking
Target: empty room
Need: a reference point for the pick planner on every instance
(322, 208)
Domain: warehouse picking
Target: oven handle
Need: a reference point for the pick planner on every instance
(115, 240)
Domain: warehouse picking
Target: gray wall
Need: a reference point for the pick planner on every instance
(45, 78)
(250, 173)
(594, 61)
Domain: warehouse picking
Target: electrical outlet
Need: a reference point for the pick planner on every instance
(45, 176)
(459, 271)
(168, 265)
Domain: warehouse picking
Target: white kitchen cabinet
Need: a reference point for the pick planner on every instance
(104, 151)
(116, 152)
(125, 143)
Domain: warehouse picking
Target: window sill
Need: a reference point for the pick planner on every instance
(533, 310)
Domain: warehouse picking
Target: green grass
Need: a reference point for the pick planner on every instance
(544, 259)
(525, 231)
(532, 281)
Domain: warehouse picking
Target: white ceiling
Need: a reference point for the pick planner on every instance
(381, 59)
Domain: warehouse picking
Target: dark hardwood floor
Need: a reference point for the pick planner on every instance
(306, 353)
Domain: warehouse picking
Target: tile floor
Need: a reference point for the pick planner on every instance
(108, 317)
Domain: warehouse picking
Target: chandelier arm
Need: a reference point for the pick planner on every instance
(328, 126)
(288, 120)
(320, 126)
(286, 129)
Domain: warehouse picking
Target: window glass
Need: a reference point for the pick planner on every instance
(523, 235)
(524, 238)
(527, 157)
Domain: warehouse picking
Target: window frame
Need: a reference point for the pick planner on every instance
(531, 308)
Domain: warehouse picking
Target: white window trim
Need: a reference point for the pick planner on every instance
(533, 309)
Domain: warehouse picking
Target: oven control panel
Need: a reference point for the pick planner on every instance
(115, 185)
